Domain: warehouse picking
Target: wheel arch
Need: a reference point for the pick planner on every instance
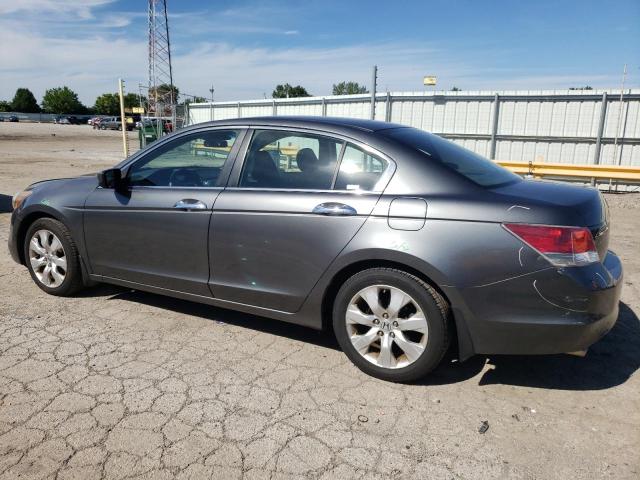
(463, 345)
(24, 225)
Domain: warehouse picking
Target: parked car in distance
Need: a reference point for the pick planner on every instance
(400, 241)
(13, 118)
(113, 123)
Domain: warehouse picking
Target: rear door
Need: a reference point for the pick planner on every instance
(288, 212)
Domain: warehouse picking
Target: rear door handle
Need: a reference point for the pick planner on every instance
(334, 209)
(188, 204)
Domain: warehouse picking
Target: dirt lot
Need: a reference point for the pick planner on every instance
(117, 383)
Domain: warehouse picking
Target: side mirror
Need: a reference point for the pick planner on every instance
(110, 178)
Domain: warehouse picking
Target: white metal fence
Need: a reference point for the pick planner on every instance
(569, 126)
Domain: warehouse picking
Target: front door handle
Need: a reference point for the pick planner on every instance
(189, 204)
(334, 209)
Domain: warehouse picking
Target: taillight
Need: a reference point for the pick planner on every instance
(562, 246)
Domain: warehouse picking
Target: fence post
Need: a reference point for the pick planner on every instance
(274, 111)
(239, 110)
(387, 116)
(603, 118)
(374, 84)
(324, 107)
(494, 127)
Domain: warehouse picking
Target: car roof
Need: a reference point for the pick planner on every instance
(334, 124)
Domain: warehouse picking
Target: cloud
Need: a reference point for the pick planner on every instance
(87, 50)
(82, 9)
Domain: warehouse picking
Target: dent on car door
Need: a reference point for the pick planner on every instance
(277, 231)
(155, 230)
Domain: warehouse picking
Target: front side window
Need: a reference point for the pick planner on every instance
(359, 170)
(290, 160)
(194, 160)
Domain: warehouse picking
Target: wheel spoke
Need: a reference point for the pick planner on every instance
(44, 239)
(386, 358)
(60, 262)
(415, 323)
(46, 275)
(354, 315)
(411, 349)
(371, 296)
(398, 300)
(36, 263)
(58, 278)
(362, 342)
(55, 244)
(35, 246)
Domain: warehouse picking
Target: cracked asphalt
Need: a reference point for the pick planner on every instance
(117, 383)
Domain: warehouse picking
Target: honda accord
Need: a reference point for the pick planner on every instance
(401, 242)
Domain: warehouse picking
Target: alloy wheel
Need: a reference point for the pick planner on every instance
(47, 258)
(386, 326)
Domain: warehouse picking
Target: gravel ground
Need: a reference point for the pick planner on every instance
(117, 383)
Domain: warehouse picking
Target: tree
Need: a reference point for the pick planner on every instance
(349, 88)
(107, 104)
(287, 91)
(163, 92)
(24, 101)
(5, 106)
(133, 100)
(62, 100)
(194, 99)
(455, 89)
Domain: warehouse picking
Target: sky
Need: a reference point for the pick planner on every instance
(244, 48)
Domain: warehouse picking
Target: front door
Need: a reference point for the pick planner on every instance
(155, 231)
(290, 213)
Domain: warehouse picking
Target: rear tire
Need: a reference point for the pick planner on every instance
(52, 257)
(403, 336)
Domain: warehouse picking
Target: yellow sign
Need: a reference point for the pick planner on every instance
(137, 110)
(429, 80)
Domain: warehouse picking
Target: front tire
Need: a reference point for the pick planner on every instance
(392, 325)
(52, 257)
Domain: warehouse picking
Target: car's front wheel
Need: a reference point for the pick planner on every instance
(391, 324)
(52, 257)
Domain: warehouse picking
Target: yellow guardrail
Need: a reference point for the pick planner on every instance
(606, 172)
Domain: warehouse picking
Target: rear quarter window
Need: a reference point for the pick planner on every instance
(470, 165)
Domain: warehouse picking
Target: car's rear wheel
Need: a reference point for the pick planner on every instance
(52, 257)
(391, 324)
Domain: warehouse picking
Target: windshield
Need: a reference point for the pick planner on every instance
(476, 168)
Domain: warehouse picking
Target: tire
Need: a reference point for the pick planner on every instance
(37, 257)
(119, 127)
(423, 347)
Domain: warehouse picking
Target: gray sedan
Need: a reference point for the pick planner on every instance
(401, 242)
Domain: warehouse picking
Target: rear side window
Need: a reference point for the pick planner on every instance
(476, 168)
(359, 170)
(290, 160)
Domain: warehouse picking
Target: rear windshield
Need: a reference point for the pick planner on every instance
(471, 165)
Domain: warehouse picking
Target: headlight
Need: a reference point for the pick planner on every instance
(19, 198)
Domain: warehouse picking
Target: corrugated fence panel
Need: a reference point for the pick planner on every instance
(541, 126)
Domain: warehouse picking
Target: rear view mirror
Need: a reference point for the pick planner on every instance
(110, 178)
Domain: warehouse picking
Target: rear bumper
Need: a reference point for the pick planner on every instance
(545, 312)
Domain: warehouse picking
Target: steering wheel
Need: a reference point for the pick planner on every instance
(183, 177)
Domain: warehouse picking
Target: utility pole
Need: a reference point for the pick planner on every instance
(620, 109)
(125, 145)
(374, 85)
(211, 90)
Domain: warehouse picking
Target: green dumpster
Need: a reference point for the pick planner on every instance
(149, 132)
